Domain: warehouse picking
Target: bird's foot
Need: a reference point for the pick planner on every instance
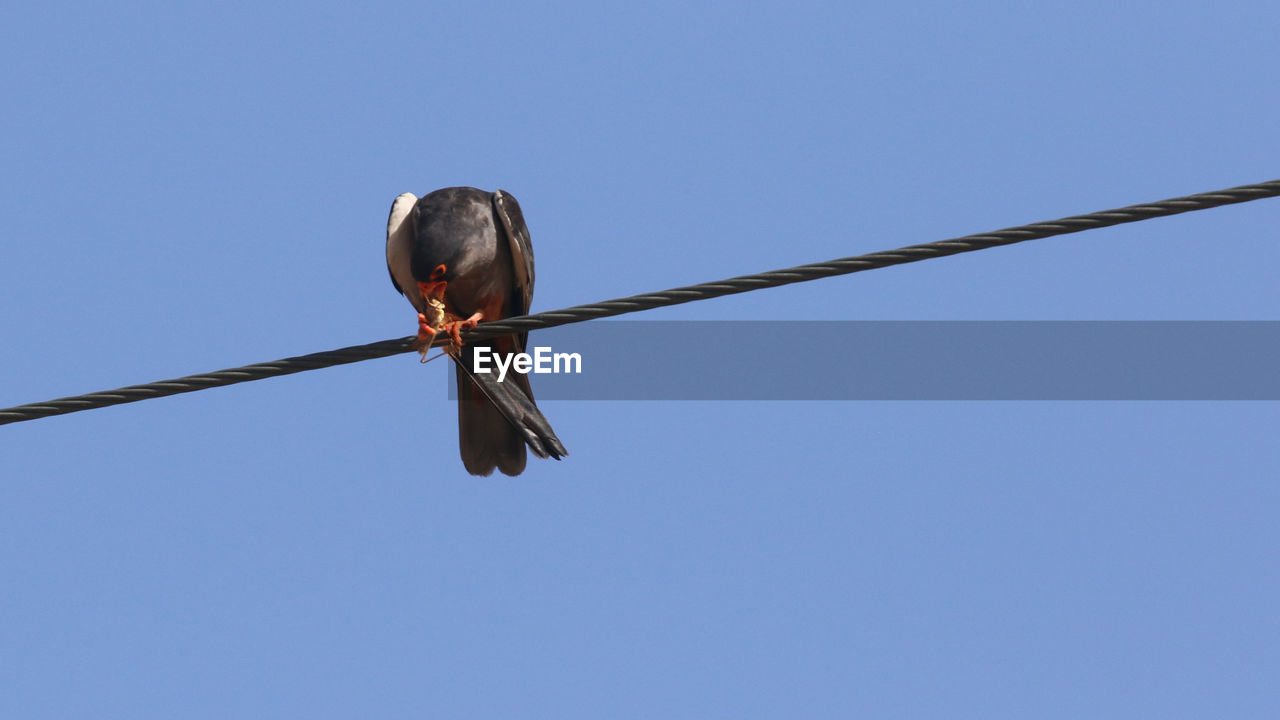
(426, 335)
(455, 328)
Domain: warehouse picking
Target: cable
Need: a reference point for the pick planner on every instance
(886, 258)
(636, 303)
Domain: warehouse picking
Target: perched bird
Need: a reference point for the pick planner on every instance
(463, 255)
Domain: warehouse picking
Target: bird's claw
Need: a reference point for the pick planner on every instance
(426, 335)
(455, 328)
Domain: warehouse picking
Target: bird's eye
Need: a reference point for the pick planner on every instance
(438, 272)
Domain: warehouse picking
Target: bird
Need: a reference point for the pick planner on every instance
(462, 255)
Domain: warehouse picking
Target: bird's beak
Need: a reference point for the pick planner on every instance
(434, 289)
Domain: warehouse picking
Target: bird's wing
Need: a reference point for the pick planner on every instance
(517, 235)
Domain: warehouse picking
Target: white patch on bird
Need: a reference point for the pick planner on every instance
(400, 246)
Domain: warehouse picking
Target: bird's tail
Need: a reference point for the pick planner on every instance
(496, 420)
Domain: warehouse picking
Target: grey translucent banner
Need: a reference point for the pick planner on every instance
(1004, 360)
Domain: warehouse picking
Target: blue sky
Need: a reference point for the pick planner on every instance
(188, 188)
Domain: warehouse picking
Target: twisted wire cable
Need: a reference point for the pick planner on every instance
(649, 301)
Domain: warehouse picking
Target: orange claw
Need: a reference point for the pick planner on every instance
(425, 331)
(426, 334)
(455, 327)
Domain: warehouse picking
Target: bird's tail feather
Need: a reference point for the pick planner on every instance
(485, 445)
(520, 410)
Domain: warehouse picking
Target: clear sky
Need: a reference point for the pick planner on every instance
(192, 187)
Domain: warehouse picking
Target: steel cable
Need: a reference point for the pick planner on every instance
(649, 301)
